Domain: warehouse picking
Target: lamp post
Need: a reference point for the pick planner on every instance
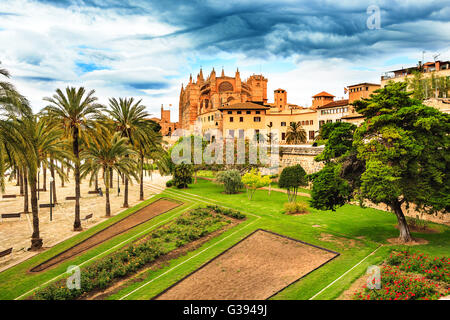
(51, 198)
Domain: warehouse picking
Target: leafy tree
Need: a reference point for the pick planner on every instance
(295, 133)
(338, 138)
(231, 181)
(74, 111)
(182, 175)
(253, 180)
(400, 154)
(329, 190)
(291, 178)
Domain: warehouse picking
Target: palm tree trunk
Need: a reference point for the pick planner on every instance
(36, 241)
(141, 183)
(77, 222)
(25, 186)
(52, 172)
(125, 194)
(111, 181)
(108, 205)
(96, 181)
(21, 182)
(17, 178)
(44, 182)
(62, 178)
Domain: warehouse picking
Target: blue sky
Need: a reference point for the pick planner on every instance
(146, 49)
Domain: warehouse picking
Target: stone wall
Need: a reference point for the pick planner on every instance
(302, 155)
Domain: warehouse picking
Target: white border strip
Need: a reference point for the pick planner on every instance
(344, 273)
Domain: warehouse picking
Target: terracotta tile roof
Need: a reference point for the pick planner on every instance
(338, 103)
(245, 106)
(323, 94)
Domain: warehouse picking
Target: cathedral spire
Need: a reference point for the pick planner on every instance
(190, 78)
(223, 73)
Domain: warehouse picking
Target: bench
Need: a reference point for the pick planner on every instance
(9, 196)
(93, 192)
(5, 252)
(46, 205)
(10, 215)
(89, 216)
(71, 198)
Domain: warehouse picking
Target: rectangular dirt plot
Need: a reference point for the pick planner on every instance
(142, 215)
(254, 269)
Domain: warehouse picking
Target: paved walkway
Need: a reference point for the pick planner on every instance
(16, 233)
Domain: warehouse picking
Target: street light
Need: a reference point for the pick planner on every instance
(51, 198)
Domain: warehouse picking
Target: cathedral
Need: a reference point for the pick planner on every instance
(207, 95)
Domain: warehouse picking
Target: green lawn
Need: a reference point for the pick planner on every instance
(359, 232)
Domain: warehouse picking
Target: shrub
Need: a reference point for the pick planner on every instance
(253, 180)
(231, 181)
(169, 183)
(291, 178)
(183, 175)
(295, 207)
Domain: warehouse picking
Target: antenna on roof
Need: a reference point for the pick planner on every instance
(436, 56)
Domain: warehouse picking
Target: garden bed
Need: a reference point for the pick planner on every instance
(257, 267)
(149, 251)
(406, 276)
(152, 210)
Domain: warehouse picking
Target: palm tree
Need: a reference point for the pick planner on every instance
(295, 133)
(109, 153)
(19, 137)
(75, 112)
(131, 120)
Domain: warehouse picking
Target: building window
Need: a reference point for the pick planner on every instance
(249, 112)
(303, 122)
(338, 120)
(241, 133)
(241, 119)
(283, 136)
(329, 121)
(311, 122)
(321, 123)
(256, 119)
(230, 112)
(283, 124)
(258, 112)
(231, 119)
(239, 112)
(231, 133)
(311, 135)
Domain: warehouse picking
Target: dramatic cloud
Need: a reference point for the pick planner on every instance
(147, 48)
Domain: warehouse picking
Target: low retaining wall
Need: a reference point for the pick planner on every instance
(302, 155)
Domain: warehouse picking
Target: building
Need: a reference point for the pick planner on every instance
(357, 92)
(205, 96)
(332, 111)
(438, 68)
(167, 127)
(238, 108)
